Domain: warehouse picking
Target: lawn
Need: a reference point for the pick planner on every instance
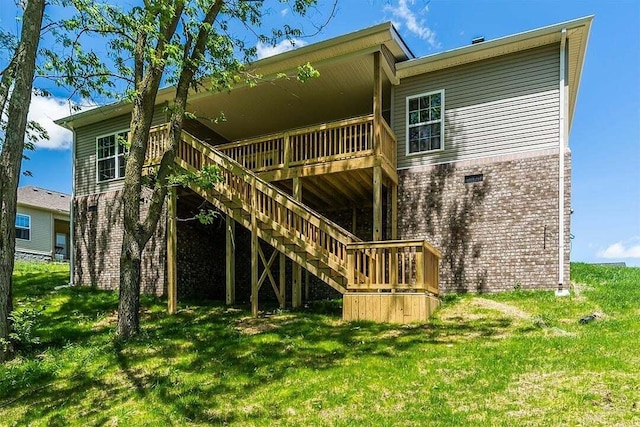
(517, 358)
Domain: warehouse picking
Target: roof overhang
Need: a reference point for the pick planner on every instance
(577, 37)
(351, 47)
(43, 208)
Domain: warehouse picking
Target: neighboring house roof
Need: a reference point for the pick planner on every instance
(44, 199)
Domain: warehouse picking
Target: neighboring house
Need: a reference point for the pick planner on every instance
(389, 176)
(42, 224)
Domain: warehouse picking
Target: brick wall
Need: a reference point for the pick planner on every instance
(98, 231)
(497, 234)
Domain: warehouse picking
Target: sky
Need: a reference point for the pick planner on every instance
(604, 139)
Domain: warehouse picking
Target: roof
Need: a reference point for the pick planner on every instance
(324, 52)
(344, 66)
(44, 199)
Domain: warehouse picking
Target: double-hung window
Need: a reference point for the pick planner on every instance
(111, 150)
(23, 227)
(425, 125)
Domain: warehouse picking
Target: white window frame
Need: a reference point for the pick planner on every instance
(441, 121)
(23, 228)
(116, 156)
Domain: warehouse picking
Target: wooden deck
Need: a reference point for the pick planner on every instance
(334, 160)
(296, 231)
(317, 150)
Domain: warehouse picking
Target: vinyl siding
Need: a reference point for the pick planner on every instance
(41, 232)
(499, 106)
(85, 179)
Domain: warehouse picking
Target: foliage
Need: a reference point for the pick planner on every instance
(25, 320)
(206, 178)
(208, 364)
(190, 45)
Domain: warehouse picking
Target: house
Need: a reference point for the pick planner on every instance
(389, 178)
(42, 224)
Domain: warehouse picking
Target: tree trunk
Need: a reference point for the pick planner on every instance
(135, 236)
(129, 304)
(137, 232)
(11, 159)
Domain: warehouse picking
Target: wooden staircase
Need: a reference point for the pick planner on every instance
(309, 239)
(328, 251)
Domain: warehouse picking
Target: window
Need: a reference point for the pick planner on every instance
(111, 151)
(425, 130)
(23, 227)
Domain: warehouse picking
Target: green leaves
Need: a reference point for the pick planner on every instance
(206, 178)
(307, 72)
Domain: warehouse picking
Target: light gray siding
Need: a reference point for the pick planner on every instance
(498, 106)
(85, 177)
(41, 241)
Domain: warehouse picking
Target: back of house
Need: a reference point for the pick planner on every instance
(388, 173)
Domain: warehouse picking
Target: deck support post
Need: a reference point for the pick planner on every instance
(254, 253)
(282, 282)
(172, 248)
(377, 203)
(230, 275)
(377, 104)
(296, 286)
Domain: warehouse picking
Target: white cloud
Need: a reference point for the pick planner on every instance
(418, 27)
(625, 249)
(264, 50)
(45, 110)
(284, 12)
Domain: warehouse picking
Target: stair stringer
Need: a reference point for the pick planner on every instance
(304, 259)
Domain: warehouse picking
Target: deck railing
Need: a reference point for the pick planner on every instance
(340, 140)
(395, 265)
(409, 265)
(320, 237)
(158, 144)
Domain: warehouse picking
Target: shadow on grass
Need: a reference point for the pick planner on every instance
(190, 366)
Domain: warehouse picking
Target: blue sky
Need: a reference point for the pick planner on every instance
(605, 138)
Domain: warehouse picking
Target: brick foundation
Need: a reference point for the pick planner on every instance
(98, 232)
(497, 234)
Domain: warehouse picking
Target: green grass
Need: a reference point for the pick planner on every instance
(518, 358)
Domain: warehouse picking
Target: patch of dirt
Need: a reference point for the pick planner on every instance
(106, 322)
(393, 333)
(506, 309)
(578, 290)
(258, 325)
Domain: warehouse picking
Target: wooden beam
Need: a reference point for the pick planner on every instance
(172, 249)
(296, 286)
(230, 275)
(307, 290)
(377, 103)
(377, 203)
(320, 169)
(254, 253)
(282, 283)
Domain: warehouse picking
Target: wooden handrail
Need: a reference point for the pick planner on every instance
(394, 264)
(319, 236)
(410, 265)
(309, 145)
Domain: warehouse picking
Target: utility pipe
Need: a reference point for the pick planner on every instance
(563, 58)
